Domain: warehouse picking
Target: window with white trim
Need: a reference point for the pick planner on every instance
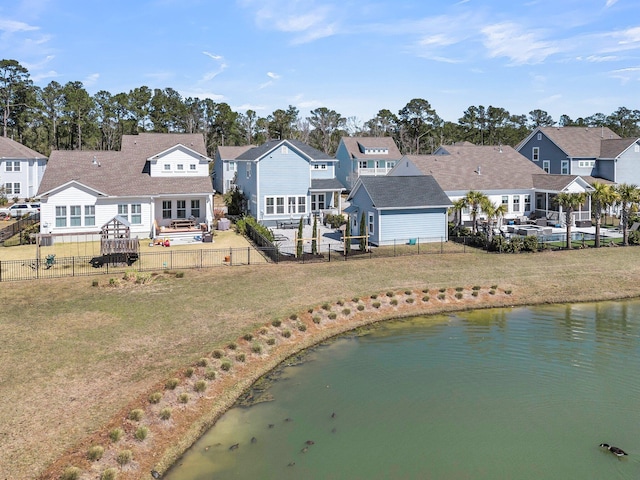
(180, 167)
(231, 166)
(535, 154)
(302, 204)
(516, 203)
(564, 167)
(527, 203)
(319, 166)
(193, 167)
(284, 150)
(75, 215)
(12, 166)
(136, 214)
(12, 188)
(270, 203)
(61, 216)
(317, 202)
(279, 205)
(539, 136)
(370, 222)
(181, 208)
(166, 209)
(123, 211)
(505, 202)
(362, 164)
(248, 169)
(586, 163)
(167, 167)
(546, 165)
(195, 208)
(89, 215)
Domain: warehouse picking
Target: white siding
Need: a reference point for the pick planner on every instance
(176, 157)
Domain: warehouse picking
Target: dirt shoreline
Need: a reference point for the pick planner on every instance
(168, 440)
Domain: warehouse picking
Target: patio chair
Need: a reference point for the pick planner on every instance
(412, 241)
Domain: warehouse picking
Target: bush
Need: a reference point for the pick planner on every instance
(316, 319)
(394, 301)
(179, 274)
(441, 296)
(492, 292)
(360, 307)
(263, 331)
(256, 348)
(408, 292)
(155, 397)
(293, 316)
(271, 341)
(459, 295)
(116, 434)
(530, 244)
(189, 372)
(355, 299)
(425, 290)
(459, 289)
(183, 398)
(203, 362)
(171, 384)
(476, 287)
(225, 365)
(326, 306)
(232, 346)
(95, 283)
(494, 287)
(376, 304)
(474, 293)
(210, 375)
(124, 457)
(442, 290)
(374, 296)
(136, 414)
(141, 433)
(165, 413)
(241, 357)
(95, 452)
(109, 474)
(217, 354)
(276, 323)
(425, 298)
(409, 300)
(390, 294)
(286, 333)
(309, 310)
(71, 473)
(346, 311)
(200, 386)
(333, 315)
(302, 327)
(248, 337)
(508, 291)
(340, 302)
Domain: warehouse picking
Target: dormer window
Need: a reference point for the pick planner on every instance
(319, 166)
(376, 151)
(539, 136)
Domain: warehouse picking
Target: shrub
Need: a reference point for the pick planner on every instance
(360, 307)
(225, 365)
(492, 292)
(459, 289)
(136, 414)
(441, 296)
(271, 341)
(171, 384)
(124, 457)
(113, 282)
(302, 327)
(355, 299)
(217, 354)
(248, 337)
(95, 283)
(95, 452)
(263, 331)
(179, 274)
(109, 474)
(310, 310)
(241, 357)
(316, 319)
(256, 348)
(390, 294)
(333, 315)
(476, 287)
(203, 362)
(155, 397)
(200, 386)
(374, 296)
(376, 304)
(326, 306)
(459, 295)
(425, 298)
(442, 290)
(508, 291)
(293, 316)
(340, 302)
(232, 346)
(409, 300)
(494, 287)
(210, 375)
(286, 333)
(276, 323)
(71, 473)
(165, 413)
(408, 292)
(394, 301)
(183, 398)
(346, 311)
(116, 434)
(141, 433)
(189, 372)
(474, 293)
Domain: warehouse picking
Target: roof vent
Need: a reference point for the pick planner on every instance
(478, 170)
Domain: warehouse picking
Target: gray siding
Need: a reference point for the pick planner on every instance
(627, 168)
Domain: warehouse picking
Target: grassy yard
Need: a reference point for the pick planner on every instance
(73, 355)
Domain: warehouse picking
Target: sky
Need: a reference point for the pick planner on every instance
(357, 57)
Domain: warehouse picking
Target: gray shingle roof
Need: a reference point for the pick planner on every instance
(125, 172)
(472, 167)
(231, 153)
(579, 142)
(612, 148)
(14, 150)
(356, 147)
(404, 192)
(553, 183)
(326, 184)
(261, 150)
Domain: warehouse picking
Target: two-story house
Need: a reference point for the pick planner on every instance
(21, 169)
(365, 156)
(285, 180)
(224, 167)
(155, 182)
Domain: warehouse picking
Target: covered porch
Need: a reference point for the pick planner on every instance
(181, 214)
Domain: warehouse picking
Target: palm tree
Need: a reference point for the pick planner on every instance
(628, 194)
(457, 208)
(602, 197)
(474, 200)
(570, 202)
(493, 211)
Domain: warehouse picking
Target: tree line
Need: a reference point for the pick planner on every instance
(67, 117)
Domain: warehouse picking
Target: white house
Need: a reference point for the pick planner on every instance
(21, 169)
(157, 182)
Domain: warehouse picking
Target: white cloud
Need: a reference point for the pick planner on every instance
(213, 74)
(247, 106)
(91, 80)
(275, 76)
(211, 55)
(514, 42)
(611, 3)
(13, 26)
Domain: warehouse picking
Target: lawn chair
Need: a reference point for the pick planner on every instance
(50, 261)
(412, 241)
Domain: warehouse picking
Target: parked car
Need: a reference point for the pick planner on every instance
(21, 209)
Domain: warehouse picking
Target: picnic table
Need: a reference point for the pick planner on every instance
(287, 224)
(182, 223)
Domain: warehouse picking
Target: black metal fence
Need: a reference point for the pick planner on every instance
(17, 227)
(175, 259)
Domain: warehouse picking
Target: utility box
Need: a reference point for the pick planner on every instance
(224, 224)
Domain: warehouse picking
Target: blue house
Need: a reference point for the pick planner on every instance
(224, 167)
(285, 180)
(399, 208)
(365, 156)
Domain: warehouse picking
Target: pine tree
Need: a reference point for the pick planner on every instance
(363, 233)
(347, 237)
(314, 243)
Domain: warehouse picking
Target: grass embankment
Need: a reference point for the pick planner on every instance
(74, 355)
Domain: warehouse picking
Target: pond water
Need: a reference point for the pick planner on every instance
(523, 393)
